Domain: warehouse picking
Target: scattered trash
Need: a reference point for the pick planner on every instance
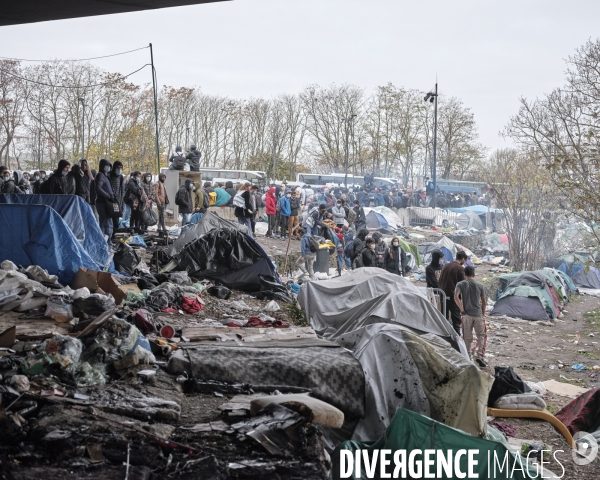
(578, 367)
(220, 291)
(272, 306)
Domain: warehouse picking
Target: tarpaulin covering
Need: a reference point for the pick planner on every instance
(477, 209)
(228, 257)
(78, 216)
(410, 431)
(209, 221)
(582, 413)
(371, 295)
(422, 373)
(37, 235)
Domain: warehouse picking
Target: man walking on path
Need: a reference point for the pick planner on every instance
(452, 273)
(469, 295)
(307, 257)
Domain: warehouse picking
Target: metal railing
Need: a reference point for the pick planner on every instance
(431, 217)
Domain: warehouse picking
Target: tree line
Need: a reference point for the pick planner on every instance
(388, 132)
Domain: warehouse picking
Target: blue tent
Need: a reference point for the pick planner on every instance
(78, 216)
(37, 235)
(376, 220)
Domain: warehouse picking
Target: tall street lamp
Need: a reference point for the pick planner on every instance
(348, 120)
(432, 97)
(82, 127)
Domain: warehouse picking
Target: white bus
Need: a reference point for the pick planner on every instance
(255, 177)
(337, 179)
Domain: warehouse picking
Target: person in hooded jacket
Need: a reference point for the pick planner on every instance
(8, 183)
(231, 191)
(271, 210)
(105, 198)
(136, 198)
(243, 205)
(198, 198)
(162, 200)
(368, 256)
(380, 248)
(359, 243)
(38, 179)
(83, 180)
(60, 182)
(177, 160)
(433, 270)
(117, 182)
(394, 260)
(184, 200)
(284, 213)
(193, 158)
(148, 186)
(21, 182)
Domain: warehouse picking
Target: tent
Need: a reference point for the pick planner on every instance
(370, 295)
(587, 279)
(527, 308)
(209, 221)
(469, 220)
(375, 220)
(393, 220)
(580, 267)
(37, 235)
(78, 216)
(229, 257)
(409, 431)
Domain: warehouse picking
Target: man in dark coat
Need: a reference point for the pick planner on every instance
(118, 188)
(194, 158)
(105, 198)
(8, 183)
(59, 183)
(231, 191)
(184, 200)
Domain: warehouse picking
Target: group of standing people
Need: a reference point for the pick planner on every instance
(110, 194)
(465, 299)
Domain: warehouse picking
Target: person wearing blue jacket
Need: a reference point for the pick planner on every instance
(284, 213)
(105, 198)
(223, 197)
(307, 258)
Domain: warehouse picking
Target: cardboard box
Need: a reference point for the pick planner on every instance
(104, 281)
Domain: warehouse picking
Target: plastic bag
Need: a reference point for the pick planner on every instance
(149, 217)
(126, 259)
(272, 306)
(271, 288)
(110, 342)
(59, 308)
(145, 357)
(94, 305)
(538, 388)
(220, 291)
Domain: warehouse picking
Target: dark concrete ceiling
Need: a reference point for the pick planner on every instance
(13, 12)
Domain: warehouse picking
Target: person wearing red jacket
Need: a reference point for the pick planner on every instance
(271, 210)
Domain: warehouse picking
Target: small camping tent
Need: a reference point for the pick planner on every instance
(469, 220)
(375, 220)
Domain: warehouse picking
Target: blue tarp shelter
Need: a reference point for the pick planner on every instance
(38, 235)
(478, 209)
(78, 216)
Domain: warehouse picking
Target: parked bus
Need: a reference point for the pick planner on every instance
(336, 179)
(255, 177)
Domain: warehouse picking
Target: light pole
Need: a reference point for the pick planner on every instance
(82, 127)
(432, 97)
(348, 121)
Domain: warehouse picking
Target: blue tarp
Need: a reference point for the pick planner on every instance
(78, 216)
(478, 209)
(37, 235)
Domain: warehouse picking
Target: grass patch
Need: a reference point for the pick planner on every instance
(296, 315)
(577, 383)
(593, 319)
(588, 355)
(552, 409)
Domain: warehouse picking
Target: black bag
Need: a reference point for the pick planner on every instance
(313, 244)
(178, 162)
(220, 291)
(149, 217)
(271, 288)
(506, 381)
(126, 259)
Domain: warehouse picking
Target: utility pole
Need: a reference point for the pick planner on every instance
(273, 155)
(82, 127)
(348, 121)
(155, 107)
(433, 98)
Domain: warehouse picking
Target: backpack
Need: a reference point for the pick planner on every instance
(212, 196)
(239, 201)
(206, 200)
(348, 250)
(313, 244)
(178, 162)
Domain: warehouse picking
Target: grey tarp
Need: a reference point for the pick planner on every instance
(527, 308)
(372, 295)
(419, 372)
(209, 221)
(587, 279)
(468, 220)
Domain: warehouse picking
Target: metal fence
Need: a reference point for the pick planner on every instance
(431, 217)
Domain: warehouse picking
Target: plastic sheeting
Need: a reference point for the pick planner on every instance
(526, 308)
(469, 220)
(228, 257)
(78, 216)
(37, 235)
(410, 431)
(209, 221)
(421, 373)
(370, 295)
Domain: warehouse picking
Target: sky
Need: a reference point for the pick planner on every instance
(487, 53)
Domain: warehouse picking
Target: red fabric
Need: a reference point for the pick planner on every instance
(555, 299)
(143, 323)
(190, 305)
(256, 322)
(280, 324)
(233, 324)
(169, 310)
(583, 413)
(270, 202)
